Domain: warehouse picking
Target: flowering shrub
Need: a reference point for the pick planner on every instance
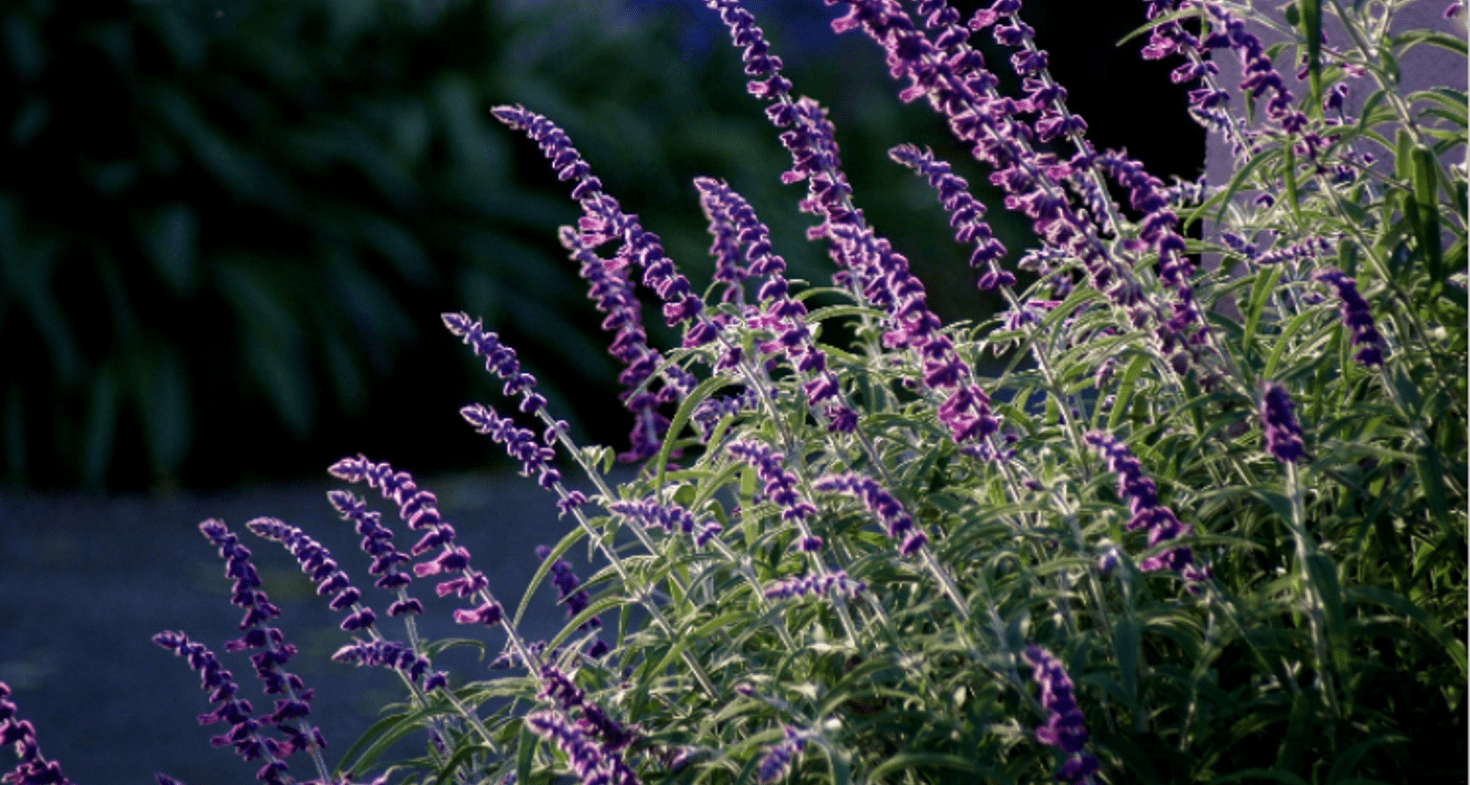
(1207, 524)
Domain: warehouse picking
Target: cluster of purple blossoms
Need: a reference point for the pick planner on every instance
(1355, 316)
(957, 85)
(651, 513)
(818, 585)
(499, 360)
(780, 314)
(519, 443)
(1064, 727)
(591, 720)
(1181, 336)
(780, 487)
(1260, 76)
(1143, 503)
(395, 655)
(377, 542)
(725, 247)
(715, 408)
(419, 509)
(603, 220)
(898, 524)
(1283, 433)
(865, 260)
(612, 291)
(587, 759)
(244, 734)
(776, 763)
(568, 588)
(966, 213)
(317, 564)
(20, 734)
(273, 651)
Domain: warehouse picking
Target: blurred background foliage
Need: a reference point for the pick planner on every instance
(227, 228)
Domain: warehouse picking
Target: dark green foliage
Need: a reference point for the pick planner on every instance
(221, 224)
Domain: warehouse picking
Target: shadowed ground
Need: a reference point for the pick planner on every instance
(85, 582)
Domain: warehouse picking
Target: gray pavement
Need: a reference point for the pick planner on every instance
(85, 582)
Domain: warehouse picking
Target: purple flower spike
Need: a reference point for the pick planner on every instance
(593, 721)
(377, 542)
(519, 443)
(611, 289)
(780, 485)
(244, 734)
(316, 562)
(837, 582)
(418, 507)
(568, 588)
(669, 517)
(896, 523)
(1283, 434)
(603, 219)
(780, 314)
(33, 768)
(391, 654)
(1356, 316)
(966, 213)
(1142, 497)
(1064, 728)
(499, 359)
(591, 762)
(776, 763)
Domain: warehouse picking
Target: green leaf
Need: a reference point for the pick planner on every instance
(373, 730)
(390, 730)
(1431, 476)
(1125, 390)
(434, 648)
(462, 753)
(1311, 18)
(928, 760)
(1433, 37)
(1323, 573)
(1348, 760)
(1125, 648)
(566, 542)
(1283, 341)
(1285, 777)
(1454, 648)
(101, 426)
(1156, 21)
(1265, 284)
(1426, 190)
(1289, 172)
(526, 742)
(705, 389)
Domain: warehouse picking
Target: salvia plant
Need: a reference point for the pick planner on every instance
(1204, 522)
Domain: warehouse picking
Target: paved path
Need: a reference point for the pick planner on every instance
(85, 582)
